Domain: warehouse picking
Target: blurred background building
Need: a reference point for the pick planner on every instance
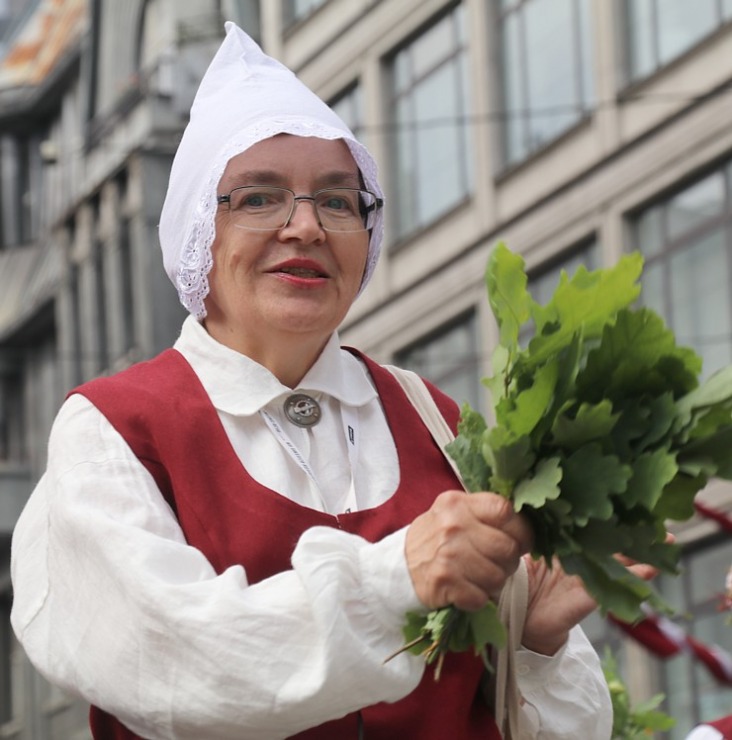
(574, 130)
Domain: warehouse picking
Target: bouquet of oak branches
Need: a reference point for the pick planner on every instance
(602, 434)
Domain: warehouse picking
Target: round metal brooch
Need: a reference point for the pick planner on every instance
(302, 410)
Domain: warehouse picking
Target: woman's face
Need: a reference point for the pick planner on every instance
(268, 287)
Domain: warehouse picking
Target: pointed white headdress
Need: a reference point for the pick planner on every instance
(244, 97)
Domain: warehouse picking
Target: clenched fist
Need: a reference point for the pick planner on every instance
(463, 549)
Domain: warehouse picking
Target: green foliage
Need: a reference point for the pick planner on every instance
(632, 722)
(602, 433)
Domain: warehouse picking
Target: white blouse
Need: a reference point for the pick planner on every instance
(112, 605)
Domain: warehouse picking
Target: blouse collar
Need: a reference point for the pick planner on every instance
(238, 385)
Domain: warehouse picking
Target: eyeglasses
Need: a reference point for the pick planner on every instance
(265, 208)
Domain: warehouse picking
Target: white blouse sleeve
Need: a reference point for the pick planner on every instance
(112, 604)
(704, 732)
(566, 695)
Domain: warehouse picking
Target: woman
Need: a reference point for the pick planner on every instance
(228, 537)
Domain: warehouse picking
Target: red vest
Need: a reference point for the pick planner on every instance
(157, 405)
(723, 726)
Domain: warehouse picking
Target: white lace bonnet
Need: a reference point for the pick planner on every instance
(244, 97)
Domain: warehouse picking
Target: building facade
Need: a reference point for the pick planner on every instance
(573, 130)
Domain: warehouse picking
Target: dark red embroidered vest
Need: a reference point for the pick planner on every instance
(162, 411)
(723, 726)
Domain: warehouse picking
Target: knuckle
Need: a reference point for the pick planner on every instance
(502, 509)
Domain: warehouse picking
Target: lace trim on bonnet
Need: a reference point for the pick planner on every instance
(196, 260)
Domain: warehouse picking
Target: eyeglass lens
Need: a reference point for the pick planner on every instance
(338, 209)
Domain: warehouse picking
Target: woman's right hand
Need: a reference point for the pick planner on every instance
(464, 547)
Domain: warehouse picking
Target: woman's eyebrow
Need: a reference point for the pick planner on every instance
(256, 177)
(333, 179)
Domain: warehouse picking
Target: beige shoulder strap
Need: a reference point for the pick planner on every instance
(513, 602)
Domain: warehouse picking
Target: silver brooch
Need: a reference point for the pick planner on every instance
(302, 410)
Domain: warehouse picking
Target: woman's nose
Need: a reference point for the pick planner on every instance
(304, 221)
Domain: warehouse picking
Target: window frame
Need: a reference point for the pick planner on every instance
(583, 83)
(457, 58)
(673, 245)
(658, 65)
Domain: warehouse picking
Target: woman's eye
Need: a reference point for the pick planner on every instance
(335, 202)
(255, 200)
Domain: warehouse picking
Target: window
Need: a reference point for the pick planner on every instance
(125, 265)
(448, 359)
(245, 13)
(73, 290)
(430, 157)
(6, 647)
(296, 10)
(349, 107)
(546, 71)
(126, 277)
(12, 422)
(658, 31)
(98, 260)
(687, 243)
(692, 693)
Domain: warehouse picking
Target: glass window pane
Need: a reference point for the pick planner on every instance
(683, 23)
(405, 179)
(652, 286)
(513, 76)
(297, 9)
(640, 29)
(677, 673)
(430, 164)
(708, 571)
(449, 360)
(552, 89)
(438, 145)
(695, 205)
(547, 71)
(400, 73)
(431, 48)
(688, 239)
(649, 232)
(700, 314)
(586, 67)
(349, 108)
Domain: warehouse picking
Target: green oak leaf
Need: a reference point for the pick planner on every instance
(652, 471)
(486, 627)
(583, 303)
(541, 487)
(591, 422)
(614, 587)
(532, 403)
(509, 457)
(638, 355)
(713, 449)
(715, 392)
(661, 414)
(590, 477)
(677, 500)
(466, 450)
(509, 299)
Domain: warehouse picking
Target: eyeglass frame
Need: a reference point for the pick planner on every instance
(376, 206)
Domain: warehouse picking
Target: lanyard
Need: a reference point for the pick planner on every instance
(349, 417)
